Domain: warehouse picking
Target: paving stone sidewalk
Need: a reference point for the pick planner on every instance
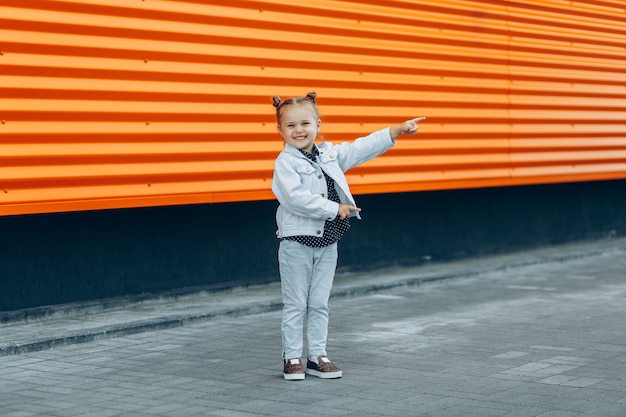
(537, 333)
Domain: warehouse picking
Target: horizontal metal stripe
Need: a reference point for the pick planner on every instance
(459, 138)
(371, 98)
(170, 171)
(55, 98)
(103, 110)
(78, 74)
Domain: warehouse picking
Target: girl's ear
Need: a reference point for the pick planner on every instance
(319, 123)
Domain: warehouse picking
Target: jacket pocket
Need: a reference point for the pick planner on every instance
(305, 169)
(307, 176)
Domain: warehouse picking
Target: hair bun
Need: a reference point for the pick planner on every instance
(311, 96)
(277, 101)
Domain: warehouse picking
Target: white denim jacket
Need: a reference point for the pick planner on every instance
(300, 186)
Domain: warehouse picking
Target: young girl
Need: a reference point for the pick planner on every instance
(315, 204)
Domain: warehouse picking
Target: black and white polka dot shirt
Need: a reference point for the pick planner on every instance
(333, 229)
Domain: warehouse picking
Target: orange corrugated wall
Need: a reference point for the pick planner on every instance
(111, 103)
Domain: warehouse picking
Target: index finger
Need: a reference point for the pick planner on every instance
(419, 119)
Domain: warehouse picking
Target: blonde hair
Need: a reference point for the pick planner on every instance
(309, 99)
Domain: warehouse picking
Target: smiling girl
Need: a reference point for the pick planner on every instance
(315, 205)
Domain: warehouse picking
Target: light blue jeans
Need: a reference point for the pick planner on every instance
(306, 277)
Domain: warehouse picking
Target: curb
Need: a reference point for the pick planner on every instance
(128, 328)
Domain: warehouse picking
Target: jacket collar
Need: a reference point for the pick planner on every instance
(295, 151)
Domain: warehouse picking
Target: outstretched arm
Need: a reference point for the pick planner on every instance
(406, 128)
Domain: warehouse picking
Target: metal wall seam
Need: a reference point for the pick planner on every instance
(114, 105)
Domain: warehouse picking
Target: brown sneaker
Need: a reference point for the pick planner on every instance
(293, 369)
(325, 369)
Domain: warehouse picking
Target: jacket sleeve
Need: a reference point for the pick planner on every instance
(351, 154)
(298, 199)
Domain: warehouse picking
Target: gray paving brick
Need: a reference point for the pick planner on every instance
(557, 379)
(606, 410)
(17, 413)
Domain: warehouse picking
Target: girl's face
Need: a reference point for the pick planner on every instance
(299, 126)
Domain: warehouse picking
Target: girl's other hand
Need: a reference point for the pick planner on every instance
(344, 211)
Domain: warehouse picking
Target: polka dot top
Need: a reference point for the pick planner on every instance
(333, 229)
